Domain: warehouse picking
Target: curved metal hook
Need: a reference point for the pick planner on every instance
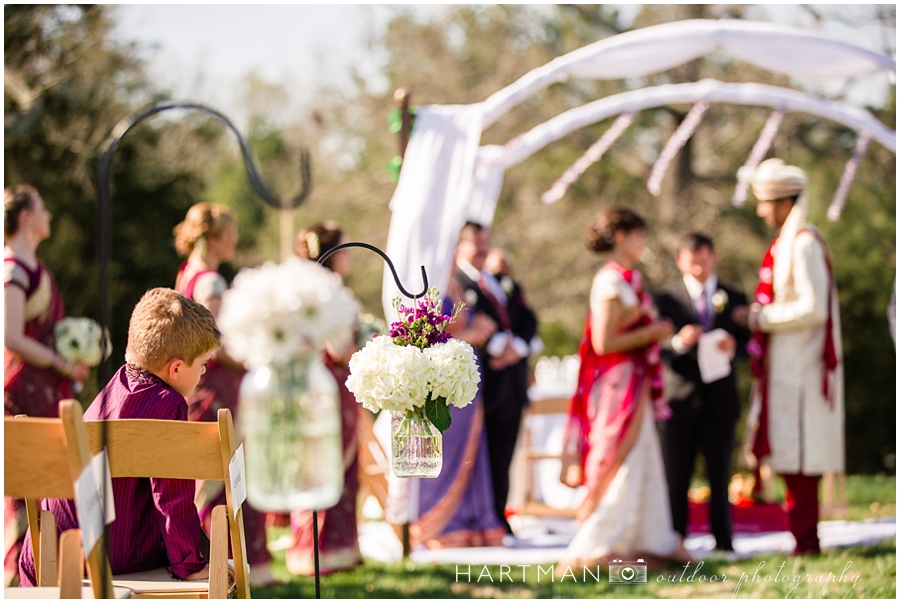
(126, 124)
(104, 177)
(390, 264)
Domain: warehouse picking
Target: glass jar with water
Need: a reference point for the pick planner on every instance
(291, 426)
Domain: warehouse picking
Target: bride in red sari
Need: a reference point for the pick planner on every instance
(626, 512)
(35, 378)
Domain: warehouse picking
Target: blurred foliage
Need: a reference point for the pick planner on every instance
(67, 83)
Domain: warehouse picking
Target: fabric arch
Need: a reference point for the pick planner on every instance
(713, 91)
(447, 178)
(777, 48)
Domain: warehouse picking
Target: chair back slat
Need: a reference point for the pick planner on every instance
(238, 542)
(157, 448)
(35, 461)
(177, 450)
(42, 459)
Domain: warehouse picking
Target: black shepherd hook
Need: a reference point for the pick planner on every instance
(125, 125)
(105, 176)
(390, 264)
(105, 231)
(320, 261)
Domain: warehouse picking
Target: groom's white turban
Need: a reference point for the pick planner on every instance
(774, 179)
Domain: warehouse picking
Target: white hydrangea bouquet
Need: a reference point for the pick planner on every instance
(277, 320)
(277, 313)
(81, 340)
(418, 368)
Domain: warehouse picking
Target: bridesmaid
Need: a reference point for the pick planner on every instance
(35, 378)
(208, 237)
(338, 536)
(456, 509)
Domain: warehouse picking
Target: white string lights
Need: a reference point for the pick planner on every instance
(745, 174)
(840, 195)
(591, 156)
(682, 134)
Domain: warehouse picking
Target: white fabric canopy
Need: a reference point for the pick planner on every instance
(430, 203)
(778, 48)
(713, 91)
(446, 178)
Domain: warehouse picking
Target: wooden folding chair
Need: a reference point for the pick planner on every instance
(528, 455)
(180, 450)
(43, 458)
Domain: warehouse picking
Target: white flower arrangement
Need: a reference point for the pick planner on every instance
(278, 313)
(80, 340)
(417, 368)
(387, 376)
(720, 300)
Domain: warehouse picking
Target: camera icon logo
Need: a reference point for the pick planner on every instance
(627, 572)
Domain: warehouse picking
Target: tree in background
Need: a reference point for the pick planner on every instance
(67, 84)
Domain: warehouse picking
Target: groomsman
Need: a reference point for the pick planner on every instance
(498, 264)
(704, 415)
(505, 370)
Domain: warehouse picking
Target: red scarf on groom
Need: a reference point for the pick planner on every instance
(759, 345)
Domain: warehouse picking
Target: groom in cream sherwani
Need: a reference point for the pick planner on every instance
(798, 405)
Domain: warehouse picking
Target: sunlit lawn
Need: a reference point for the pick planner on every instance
(856, 572)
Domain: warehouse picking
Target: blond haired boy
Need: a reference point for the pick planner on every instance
(170, 340)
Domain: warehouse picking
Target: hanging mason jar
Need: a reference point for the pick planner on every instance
(291, 426)
(416, 445)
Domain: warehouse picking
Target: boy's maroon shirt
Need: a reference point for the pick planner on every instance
(156, 521)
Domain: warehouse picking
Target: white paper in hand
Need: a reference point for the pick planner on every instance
(714, 363)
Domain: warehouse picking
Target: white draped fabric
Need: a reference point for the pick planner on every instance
(778, 48)
(446, 178)
(486, 185)
(713, 91)
(430, 203)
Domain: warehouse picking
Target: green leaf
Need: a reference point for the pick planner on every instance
(394, 121)
(438, 412)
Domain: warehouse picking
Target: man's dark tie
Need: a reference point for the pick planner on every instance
(703, 310)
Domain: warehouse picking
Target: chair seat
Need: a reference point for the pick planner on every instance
(159, 582)
(52, 592)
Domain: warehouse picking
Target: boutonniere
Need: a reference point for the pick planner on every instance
(507, 285)
(471, 298)
(720, 300)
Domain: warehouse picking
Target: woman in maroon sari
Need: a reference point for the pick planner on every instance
(338, 536)
(208, 237)
(456, 509)
(626, 512)
(35, 378)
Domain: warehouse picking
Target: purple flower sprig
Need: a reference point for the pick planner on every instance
(424, 324)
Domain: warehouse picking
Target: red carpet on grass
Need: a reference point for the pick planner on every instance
(746, 518)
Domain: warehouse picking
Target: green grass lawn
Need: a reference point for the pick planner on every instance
(854, 572)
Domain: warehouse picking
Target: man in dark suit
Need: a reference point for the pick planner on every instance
(704, 415)
(498, 263)
(505, 370)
